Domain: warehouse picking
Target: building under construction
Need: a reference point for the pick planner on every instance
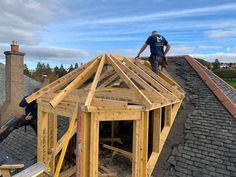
(178, 123)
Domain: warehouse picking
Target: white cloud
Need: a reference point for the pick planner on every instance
(23, 20)
(56, 54)
(223, 57)
(221, 33)
(161, 15)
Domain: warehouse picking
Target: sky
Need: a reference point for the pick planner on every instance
(65, 32)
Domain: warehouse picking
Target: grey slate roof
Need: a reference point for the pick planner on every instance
(21, 146)
(229, 91)
(29, 84)
(206, 145)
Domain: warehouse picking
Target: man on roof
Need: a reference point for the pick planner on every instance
(159, 47)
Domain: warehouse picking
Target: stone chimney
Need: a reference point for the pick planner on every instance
(14, 83)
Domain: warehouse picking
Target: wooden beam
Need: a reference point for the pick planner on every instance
(136, 148)
(52, 139)
(143, 99)
(107, 103)
(119, 151)
(165, 92)
(42, 147)
(168, 116)
(57, 84)
(59, 111)
(144, 143)
(5, 173)
(85, 75)
(175, 109)
(155, 94)
(118, 115)
(69, 172)
(33, 171)
(156, 130)
(62, 141)
(95, 82)
(94, 145)
(86, 129)
(109, 80)
(11, 166)
(152, 163)
(159, 79)
(168, 79)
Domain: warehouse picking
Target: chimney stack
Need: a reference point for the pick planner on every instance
(14, 47)
(14, 83)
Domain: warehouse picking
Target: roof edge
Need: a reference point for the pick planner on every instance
(227, 103)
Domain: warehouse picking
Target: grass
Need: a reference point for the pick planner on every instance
(231, 82)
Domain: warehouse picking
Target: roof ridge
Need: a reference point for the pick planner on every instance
(223, 98)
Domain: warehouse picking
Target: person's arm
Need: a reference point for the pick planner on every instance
(141, 50)
(23, 103)
(167, 49)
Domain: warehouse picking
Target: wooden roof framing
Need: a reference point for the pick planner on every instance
(135, 86)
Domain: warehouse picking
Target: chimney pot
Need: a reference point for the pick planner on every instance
(14, 46)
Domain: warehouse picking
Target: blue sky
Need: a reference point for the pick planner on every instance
(65, 32)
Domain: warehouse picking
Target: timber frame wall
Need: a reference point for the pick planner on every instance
(106, 100)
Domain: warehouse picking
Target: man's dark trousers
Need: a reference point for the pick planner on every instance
(155, 61)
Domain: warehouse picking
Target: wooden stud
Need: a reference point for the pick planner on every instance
(136, 148)
(95, 82)
(52, 142)
(42, 154)
(144, 143)
(156, 130)
(86, 129)
(168, 116)
(94, 148)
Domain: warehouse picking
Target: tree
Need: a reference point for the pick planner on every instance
(227, 73)
(26, 70)
(216, 65)
(62, 71)
(71, 68)
(76, 65)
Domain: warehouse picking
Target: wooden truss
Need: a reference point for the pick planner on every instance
(122, 90)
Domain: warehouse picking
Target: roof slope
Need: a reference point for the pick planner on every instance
(228, 90)
(206, 144)
(21, 145)
(29, 84)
